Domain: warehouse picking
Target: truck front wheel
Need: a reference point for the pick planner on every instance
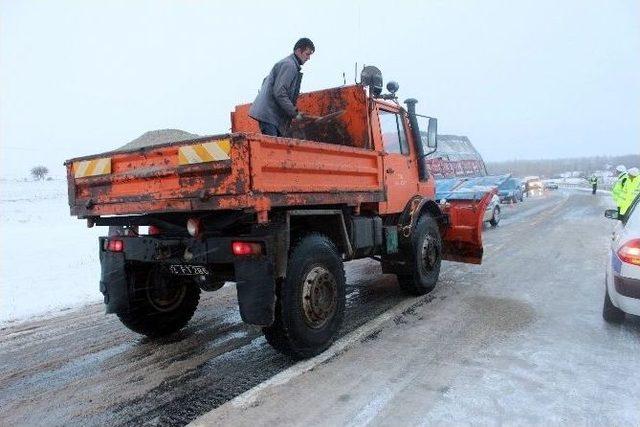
(162, 306)
(424, 258)
(310, 301)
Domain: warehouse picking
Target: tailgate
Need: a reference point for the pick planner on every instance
(165, 178)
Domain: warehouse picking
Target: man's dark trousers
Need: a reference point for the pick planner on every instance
(269, 129)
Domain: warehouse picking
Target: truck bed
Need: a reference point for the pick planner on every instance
(232, 171)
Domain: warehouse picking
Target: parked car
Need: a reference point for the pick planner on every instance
(445, 186)
(492, 213)
(510, 190)
(622, 280)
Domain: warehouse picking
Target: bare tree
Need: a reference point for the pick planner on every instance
(39, 172)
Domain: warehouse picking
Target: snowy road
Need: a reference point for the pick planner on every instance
(518, 339)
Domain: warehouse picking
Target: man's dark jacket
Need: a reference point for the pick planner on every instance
(276, 101)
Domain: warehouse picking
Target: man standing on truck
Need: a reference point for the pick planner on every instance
(275, 105)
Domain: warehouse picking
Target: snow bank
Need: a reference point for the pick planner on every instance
(48, 259)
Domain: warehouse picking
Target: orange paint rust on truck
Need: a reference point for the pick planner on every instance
(152, 181)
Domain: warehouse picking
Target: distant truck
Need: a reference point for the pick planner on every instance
(278, 216)
(533, 186)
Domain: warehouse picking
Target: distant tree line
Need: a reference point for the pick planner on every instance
(550, 168)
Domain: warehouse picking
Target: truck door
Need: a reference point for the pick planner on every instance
(400, 171)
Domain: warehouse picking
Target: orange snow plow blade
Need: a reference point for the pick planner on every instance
(462, 239)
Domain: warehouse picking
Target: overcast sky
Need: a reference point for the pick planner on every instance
(522, 79)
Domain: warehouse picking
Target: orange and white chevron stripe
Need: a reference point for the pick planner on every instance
(206, 152)
(92, 167)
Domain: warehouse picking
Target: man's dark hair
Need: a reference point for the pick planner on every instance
(303, 44)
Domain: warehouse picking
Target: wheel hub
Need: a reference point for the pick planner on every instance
(163, 295)
(429, 253)
(319, 297)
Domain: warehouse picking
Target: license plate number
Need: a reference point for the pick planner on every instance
(188, 270)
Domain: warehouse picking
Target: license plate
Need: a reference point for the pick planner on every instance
(188, 270)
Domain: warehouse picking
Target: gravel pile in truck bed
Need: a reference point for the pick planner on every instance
(157, 137)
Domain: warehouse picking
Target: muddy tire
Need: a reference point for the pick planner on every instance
(310, 301)
(424, 258)
(610, 312)
(155, 312)
(495, 217)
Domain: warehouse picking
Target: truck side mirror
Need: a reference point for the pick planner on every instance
(613, 214)
(432, 133)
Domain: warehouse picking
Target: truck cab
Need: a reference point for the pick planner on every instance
(403, 153)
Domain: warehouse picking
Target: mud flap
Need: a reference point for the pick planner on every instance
(113, 282)
(256, 290)
(462, 237)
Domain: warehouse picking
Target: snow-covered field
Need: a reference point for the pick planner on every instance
(48, 259)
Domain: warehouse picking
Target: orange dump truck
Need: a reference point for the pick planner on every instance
(278, 216)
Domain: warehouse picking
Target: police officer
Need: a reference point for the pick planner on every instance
(618, 187)
(594, 183)
(631, 189)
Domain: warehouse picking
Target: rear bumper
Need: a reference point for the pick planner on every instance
(183, 251)
(626, 286)
(254, 275)
(620, 291)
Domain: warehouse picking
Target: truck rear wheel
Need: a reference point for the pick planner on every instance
(162, 307)
(424, 259)
(310, 301)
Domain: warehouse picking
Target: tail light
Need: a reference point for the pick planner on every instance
(194, 227)
(246, 248)
(630, 252)
(114, 245)
(153, 230)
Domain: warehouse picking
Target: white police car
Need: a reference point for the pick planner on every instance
(623, 269)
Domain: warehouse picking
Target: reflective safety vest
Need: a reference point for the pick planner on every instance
(593, 180)
(618, 188)
(629, 193)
